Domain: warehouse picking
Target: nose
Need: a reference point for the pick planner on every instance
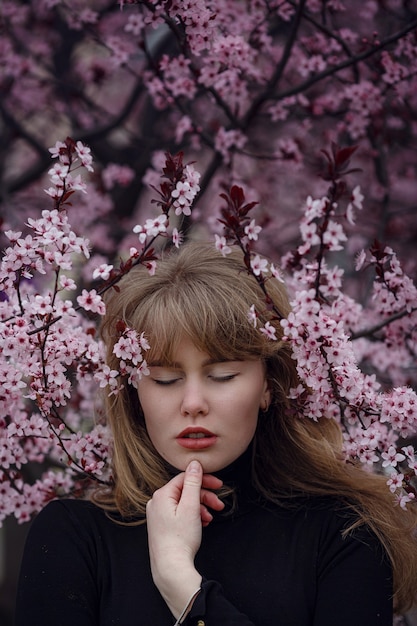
(194, 402)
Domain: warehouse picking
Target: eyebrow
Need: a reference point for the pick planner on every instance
(177, 365)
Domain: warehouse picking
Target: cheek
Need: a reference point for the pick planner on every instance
(154, 424)
(151, 409)
(247, 411)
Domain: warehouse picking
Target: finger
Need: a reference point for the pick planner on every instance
(171, 491)
(191, 489)
(193, 474)
(206, 516)
(210, 499)
(211, 482)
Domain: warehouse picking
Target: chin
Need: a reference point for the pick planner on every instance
(209, 466)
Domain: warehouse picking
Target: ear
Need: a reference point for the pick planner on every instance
(265, 398)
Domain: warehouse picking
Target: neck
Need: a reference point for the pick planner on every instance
(238, 492)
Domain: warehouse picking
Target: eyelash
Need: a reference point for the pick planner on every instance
(217, 379)
(223, 379)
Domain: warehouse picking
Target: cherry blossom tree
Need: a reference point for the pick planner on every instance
(293, 125)
(252, 90)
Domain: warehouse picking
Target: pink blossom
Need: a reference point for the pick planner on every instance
(126, 348)
(334, 236)
(67, 283)
(258, 265)
(360, 260)
(314, 208)
(253, 316)
(392, 457)
(91, 301)
(269, 331)
(252, 230)
(103, 271)
(357, 198)
(107, 377)
(221, 245)
(151, 267)
(395, 482)
(120, 50)
(185, 191)
(183, 196)
(136, 373)
(115, 174)
(132, 364)
(76, 183)
(276, 273)
(184, 126)
(309, 235)
(84, 154)
(152, 228)
(228, 139)
(58, 150)
(58, 174)
(141, 232)
(135, 24)
(405, 498)
(177, 238)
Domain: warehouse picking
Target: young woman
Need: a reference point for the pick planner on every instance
(226, 508)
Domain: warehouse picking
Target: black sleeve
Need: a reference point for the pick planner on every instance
(212, 608)
(354, 581)
(57, 584)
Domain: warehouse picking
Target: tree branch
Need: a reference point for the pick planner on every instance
(370, 332)
(276, 77)
(344, 64)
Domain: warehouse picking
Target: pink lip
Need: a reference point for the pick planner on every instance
(201, 443)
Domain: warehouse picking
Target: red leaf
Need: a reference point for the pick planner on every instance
(237, 195)
(120, 326)
(342, 155)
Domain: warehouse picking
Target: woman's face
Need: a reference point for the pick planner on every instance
(201, 409)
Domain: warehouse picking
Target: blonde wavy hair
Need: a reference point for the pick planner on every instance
(199, 293)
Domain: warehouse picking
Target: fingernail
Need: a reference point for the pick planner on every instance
(194, 467)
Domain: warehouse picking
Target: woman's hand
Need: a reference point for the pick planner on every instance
(175, 516)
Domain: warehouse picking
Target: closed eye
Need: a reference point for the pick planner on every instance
(223, 379)
(165, 382)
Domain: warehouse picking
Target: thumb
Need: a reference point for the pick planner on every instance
(191, 490)
(193, 474)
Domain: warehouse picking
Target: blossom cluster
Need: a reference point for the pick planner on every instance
(49, 351)
(341, 365)
(132, 365)
(186, 191)
(177, 192)
(68, 153)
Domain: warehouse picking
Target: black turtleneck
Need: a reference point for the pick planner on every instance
(262, 565)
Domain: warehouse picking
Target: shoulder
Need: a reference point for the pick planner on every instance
(331, 513)
(327, 522)
(316, 509)
(67, 516)
(83, 518)
(342, 535)
(71, 509)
